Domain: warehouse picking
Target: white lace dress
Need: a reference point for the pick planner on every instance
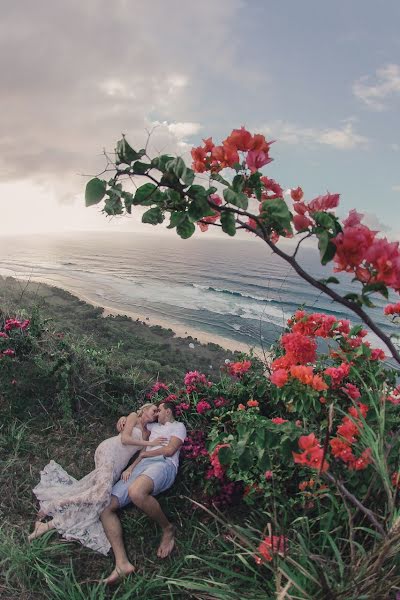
(75, 505)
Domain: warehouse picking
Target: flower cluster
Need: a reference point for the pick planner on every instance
(371, 259)
(194, 379)
(303, 219)
(238, 369)
(216, 469)
(347, 434)
(313, 453)
(272, 544)
(210, 157)
(9, 326)
(194, 445)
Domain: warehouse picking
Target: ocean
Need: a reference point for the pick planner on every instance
(235, 289)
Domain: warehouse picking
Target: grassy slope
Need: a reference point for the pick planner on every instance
(46, 569)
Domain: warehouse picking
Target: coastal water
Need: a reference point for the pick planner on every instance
(235, 289)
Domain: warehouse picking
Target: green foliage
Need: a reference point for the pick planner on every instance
(95, 191)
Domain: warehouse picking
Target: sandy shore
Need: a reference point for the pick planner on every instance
(179, 329)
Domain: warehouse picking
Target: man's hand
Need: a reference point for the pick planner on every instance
(121, 424)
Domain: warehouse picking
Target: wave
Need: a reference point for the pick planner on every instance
(209, 288)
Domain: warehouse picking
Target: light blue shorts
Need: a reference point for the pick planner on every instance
(159, 469)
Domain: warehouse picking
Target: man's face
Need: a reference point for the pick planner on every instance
(163, 414)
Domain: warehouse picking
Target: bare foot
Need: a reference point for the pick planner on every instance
(119, 573)
(40, 529)
(167, 542)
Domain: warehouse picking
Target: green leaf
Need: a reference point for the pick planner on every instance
(237, 198)
(176, 218)
(355, 330)
(217, 177)
(160, 162)
(353, 298)
(196, 191)
(147, 192)
(329, 280)
(276, 215)
(238, 183)
(95, 191)
(378, 286)
(125, 153)
(228, 222)
(128, 201)
(323, 219)
(139, 168)
(327, 249)
(199, 208)
(154, 216)
(225, 455)
(185, 229)
(179, 169)
(246, 459)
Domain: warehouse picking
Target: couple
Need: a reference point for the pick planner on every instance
(85, 509)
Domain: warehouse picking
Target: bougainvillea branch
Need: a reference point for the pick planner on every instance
(373, 261)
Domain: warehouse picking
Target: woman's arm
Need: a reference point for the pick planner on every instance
(128, 440)
(168, 450)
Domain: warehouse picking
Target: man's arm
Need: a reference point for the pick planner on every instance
(169, 450)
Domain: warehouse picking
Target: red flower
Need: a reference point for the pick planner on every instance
(239, 368)
(392, 309)
(296, 194)
(257, 159)
(270, 545)
(279, 377)
(279, 420)
(241, 139)
(252, 403)
(312, 455)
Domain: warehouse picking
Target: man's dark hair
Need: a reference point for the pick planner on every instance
(170, 405)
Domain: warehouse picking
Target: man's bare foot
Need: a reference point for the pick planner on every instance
(40, 529)
(167, 542)
(119, 573)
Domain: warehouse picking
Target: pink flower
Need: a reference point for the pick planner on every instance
(241, 139)
(377, 354)
(352, 391)
(324, 202)
(278, 420)
(257, 159)
(390, 309)
(202, 407)
(301, 222)
(296, 194)
(8, 352)
(219, 402)
(3, 335)
(279, 377)
(268, 475)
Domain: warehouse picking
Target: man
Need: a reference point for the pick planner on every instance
(153, 472)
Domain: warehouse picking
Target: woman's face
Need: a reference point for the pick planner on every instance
(151, 413)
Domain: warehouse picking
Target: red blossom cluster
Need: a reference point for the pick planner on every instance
(202, 407)
(210, 157)
(347, 434)
(272, 544)
(238, 369)
(156, 388)
(392, 310)
(313, 453)
(216, 469)
(369, 258)
(304, 217)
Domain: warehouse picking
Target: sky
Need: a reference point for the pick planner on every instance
(320, 78)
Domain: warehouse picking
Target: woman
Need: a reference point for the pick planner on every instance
(75, 505)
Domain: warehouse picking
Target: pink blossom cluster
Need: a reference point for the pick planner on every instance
(369, 258)
(202, 407)
(157, 387)
(194, 445)
(303, 219)
(16, 324)
(193, 379)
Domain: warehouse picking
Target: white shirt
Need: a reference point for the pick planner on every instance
(167, 430)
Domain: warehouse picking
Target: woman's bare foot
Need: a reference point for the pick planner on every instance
(167, 542)
(119, 573)
(40, 529)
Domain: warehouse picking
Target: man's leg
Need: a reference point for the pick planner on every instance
(140, 494)
(113, 529)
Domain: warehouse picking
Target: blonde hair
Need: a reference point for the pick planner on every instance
(141, 410)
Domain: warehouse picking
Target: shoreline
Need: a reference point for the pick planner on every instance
(180, 330)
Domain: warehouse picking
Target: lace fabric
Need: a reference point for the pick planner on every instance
(76, 505)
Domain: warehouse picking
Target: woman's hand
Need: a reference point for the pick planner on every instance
(121, 424)
(160, 441)
(127, 473)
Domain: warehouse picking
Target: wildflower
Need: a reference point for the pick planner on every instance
(270, 545)
(278, 420)
(252, 403)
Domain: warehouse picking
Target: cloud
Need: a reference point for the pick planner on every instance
(342, 138)
(386, 85)
(84, 72)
